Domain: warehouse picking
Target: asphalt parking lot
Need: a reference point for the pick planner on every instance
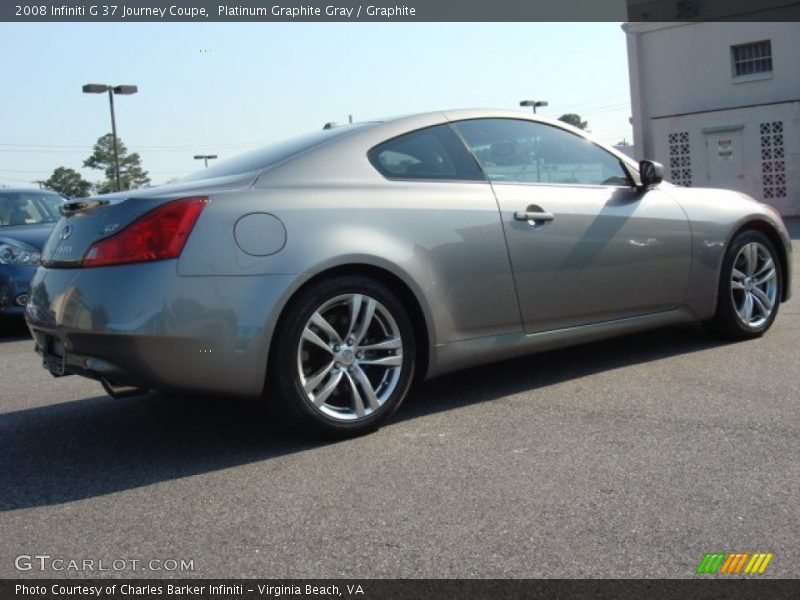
(626, 458)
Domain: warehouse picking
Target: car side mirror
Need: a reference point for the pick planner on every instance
(651, 173)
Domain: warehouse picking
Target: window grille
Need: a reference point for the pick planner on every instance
(749, 59)
(680, 160)
(773, 165)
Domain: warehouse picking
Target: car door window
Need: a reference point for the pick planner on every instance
(433, 153)
(513, 150)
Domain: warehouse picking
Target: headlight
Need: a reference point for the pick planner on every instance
(14, 253)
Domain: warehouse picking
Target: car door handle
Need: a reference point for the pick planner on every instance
(525, 215)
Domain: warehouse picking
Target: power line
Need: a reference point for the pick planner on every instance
(88, 151)
(17, 180)
(35, 151)
(39, 145)
(83, 148)
(580, 106)
(597, 110)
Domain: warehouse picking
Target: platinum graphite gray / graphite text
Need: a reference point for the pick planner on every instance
(331, 10)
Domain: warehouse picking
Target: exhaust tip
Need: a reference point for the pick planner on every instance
(121, 391)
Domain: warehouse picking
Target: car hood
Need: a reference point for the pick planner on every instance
(33, 235)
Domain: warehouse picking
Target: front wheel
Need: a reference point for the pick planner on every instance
(750, 287)
(343, 357)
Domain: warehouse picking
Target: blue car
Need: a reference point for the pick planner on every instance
(26, 219)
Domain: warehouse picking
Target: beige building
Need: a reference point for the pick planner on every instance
(718, 103)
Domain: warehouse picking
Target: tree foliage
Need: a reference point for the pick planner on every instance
(574, 120)
(131, 174)
(68, 182)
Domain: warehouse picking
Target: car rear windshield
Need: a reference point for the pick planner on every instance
(262, 158)
(28, 208)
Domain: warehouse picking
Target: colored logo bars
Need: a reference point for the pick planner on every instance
(734, 563)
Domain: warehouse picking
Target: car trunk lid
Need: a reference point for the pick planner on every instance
(86, 221)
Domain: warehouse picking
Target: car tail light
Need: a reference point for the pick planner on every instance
(158, 235)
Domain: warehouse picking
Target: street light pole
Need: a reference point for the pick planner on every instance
(99, 88)
(205, 158)
(533, 103)
(114, 134)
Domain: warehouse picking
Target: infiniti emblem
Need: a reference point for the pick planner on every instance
(66, 232)
(347, 356)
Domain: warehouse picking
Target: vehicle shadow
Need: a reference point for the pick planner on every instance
(95, 446)
(13, 329)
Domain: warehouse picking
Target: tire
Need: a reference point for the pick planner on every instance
(335, 374)
(750, 288)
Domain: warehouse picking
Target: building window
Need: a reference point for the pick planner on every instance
(749, 59)
(680, 161)
(773, 165)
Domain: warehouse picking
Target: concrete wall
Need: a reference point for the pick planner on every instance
(682, 82)
(725, 150)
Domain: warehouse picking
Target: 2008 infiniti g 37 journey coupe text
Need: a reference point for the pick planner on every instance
(328, 272)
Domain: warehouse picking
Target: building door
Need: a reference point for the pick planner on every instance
(724, 157)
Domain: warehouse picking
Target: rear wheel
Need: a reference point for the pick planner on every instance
(343, 357)
(750, 287)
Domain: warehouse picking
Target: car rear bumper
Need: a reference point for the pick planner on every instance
(144, 326)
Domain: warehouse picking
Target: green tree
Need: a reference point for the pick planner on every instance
(68, 182)
(131, 174)
(574, 120)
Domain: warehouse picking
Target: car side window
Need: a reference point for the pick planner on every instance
(513, 150)
(434, 153)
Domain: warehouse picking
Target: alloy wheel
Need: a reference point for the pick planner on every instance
(350, 357)
(754, 285)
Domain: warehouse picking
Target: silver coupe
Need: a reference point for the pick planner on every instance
(328, 273)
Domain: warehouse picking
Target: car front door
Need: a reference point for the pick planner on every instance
(585, 245)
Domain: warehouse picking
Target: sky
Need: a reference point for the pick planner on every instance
(225, 88)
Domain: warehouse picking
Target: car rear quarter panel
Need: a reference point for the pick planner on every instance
(444, 240)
